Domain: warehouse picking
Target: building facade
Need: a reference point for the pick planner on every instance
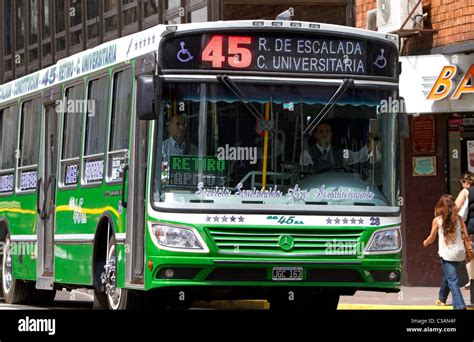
(37, 33)
(437, 84)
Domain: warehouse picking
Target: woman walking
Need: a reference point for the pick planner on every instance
(463, 202)
(448, 225)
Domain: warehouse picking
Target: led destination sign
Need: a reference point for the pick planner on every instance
(283, 53)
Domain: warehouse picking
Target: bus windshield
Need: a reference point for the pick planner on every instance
(214, 149)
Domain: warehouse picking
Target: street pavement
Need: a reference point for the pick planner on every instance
(409, 298)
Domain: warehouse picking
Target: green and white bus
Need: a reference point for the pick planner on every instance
(222, 160)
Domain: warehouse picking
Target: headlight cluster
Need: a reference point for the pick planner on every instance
(177, 238)
(386, 241)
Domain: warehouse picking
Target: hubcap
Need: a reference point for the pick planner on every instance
(7, 277)
(109, 280)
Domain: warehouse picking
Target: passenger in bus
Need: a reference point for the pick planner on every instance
(323, 156)
(176, 144)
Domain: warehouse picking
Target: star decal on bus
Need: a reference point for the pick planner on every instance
(224, 219)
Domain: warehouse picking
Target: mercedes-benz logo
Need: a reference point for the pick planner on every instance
(286, 242)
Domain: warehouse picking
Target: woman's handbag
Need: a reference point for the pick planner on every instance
(466, 242)
(467, 245)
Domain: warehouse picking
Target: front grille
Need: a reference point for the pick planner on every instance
(267, 241)
(238, 274)
(334, 275)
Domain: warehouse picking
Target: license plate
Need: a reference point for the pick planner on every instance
(288, 273)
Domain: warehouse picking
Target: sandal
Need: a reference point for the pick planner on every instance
(440, 303)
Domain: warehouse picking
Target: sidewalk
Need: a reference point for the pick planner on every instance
(411, 298)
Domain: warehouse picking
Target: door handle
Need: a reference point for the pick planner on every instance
(51, 180)
(124, 180)
(38, 189)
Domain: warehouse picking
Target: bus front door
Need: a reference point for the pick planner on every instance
(47, 200)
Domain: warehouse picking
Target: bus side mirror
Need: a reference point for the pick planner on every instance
(146, 96)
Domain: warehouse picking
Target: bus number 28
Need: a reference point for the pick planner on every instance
(237, 55)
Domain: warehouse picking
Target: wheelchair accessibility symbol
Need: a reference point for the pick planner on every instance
(381, 61)
(184, 55)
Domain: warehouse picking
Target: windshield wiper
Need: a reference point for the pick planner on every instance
(346, 84)
(224, 79)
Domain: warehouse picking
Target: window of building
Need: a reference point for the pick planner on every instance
(110, 15)
(46, 29)
(33, 34)
(173, 4)
(20, 24)
(60, 26)
(198, 14)
(93, 19)
(75, 24)
(120, 122)
(129, 12)
(151, 8)
(20, 38)
(174, 12)
(7, 37)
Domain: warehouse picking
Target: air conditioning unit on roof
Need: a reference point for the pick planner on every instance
(391, 14)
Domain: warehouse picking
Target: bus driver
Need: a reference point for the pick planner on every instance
(323, 156)
(176, 144)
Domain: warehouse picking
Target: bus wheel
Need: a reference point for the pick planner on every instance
(15, 291)
(117, 298)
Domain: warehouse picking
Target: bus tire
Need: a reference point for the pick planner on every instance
(116, 298)
(15, 291)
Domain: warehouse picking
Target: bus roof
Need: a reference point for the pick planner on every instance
(129, 47)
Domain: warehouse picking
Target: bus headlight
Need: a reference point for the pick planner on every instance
(175, 238)
(385, 241)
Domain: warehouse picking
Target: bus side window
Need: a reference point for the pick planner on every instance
(29, 145)
(119, 123)
(72, 129)
(96, 130)
(8, 144)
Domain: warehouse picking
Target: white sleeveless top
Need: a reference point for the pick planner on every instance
(455, 250)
